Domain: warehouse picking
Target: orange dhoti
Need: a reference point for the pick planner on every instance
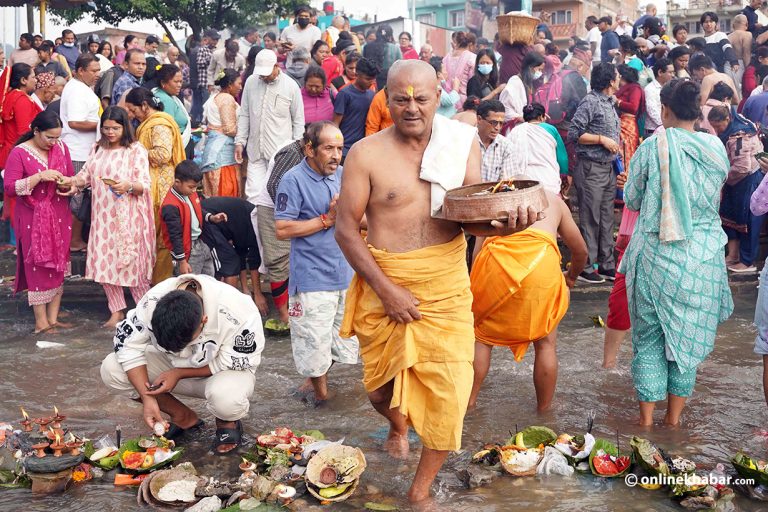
(223, 182)
(429, 360)
(519, 290)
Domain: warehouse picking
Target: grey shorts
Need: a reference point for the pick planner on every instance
(200, 259)
(315, 320)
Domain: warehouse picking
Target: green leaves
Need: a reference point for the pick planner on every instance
(197, 14)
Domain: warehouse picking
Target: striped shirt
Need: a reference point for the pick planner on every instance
(497, 159)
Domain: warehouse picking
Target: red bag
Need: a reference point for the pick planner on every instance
(549, 95)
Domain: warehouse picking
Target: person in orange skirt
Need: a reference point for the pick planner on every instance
(221, 173)
(520, 295)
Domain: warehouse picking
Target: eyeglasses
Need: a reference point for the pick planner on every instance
(495, 124)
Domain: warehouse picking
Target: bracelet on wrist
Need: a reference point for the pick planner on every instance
(322, 219)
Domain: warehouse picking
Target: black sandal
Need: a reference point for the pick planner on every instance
(228, 436)
(175, 431)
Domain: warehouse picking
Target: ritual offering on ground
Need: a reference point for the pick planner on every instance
(606, 461)
(146, 454)
(330, 471)
(576, 449)
(485, 202)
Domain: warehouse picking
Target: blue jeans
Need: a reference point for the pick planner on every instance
(199, 97)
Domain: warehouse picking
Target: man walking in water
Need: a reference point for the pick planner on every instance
(410, 303)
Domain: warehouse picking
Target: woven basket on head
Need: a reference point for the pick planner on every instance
(517, 28)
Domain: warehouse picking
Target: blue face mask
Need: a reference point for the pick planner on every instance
(485, 69)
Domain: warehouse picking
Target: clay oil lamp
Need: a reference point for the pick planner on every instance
(26, 423)
(51, 433)
(43, 423)
(40, 449)
(58, 446)
(74, 445)
(246, 466)
(57, 418)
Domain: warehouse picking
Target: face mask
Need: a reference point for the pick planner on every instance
(485, 69)
(303, 22)
(537, 75)
(69, 45)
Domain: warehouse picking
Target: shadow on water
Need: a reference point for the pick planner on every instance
(727, 413)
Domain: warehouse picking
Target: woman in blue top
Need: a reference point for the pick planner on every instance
(170, 78)
(448, 100)
(677, 283)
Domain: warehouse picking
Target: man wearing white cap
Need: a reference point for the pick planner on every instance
(271, 115)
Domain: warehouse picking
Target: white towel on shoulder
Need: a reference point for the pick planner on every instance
(444, 163)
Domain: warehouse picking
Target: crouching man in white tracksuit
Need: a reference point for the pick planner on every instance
(193, 336)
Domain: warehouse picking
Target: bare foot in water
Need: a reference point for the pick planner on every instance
(306, 387)
(63, 325)
(117, 317)
(427, 504)
(397, 445)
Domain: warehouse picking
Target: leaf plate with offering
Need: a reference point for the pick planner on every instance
(104, 458)
(747, 467)
(134, 458)
(606, 461)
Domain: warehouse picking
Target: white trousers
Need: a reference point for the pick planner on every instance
(227, 393)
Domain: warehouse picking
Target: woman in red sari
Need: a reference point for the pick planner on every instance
(41, 218)
(631, 103)
(17, 109)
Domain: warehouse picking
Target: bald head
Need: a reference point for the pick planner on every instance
(413, 97)
(338, 22)
(413, 72)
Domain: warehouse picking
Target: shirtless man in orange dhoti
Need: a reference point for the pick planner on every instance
(520, 295)
(410, 304)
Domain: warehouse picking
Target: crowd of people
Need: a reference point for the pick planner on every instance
(312, 138)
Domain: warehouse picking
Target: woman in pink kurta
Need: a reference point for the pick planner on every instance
(121, 244)
(460, 63)
(41, 218)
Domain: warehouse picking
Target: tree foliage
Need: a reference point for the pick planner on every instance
(197, 14)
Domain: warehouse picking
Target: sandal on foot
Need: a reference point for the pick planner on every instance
(175, 431)
(228, 436)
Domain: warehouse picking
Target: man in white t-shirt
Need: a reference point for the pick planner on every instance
(301, 33)
(80, 122)
(594, 37)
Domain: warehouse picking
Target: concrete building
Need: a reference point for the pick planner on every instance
(690, 15)
(567, 16)
(448, 14)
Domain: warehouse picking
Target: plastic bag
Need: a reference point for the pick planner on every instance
(554, 463)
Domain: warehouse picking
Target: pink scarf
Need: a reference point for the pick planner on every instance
(47, 249)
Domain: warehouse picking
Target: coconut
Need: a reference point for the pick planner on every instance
(333, 473)
(328, 475)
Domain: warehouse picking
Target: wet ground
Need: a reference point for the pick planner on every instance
(727, 411)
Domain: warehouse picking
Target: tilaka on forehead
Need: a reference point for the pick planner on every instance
(409, 90)
(338, 136)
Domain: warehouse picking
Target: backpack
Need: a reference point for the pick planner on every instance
(550, 96)
(645, 76)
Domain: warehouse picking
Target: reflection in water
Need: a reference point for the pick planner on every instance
(726, 413)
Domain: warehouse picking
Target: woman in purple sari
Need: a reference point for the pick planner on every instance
(42, 220)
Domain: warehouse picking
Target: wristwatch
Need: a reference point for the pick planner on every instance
(130, 189)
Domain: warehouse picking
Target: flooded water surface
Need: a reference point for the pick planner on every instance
(726, 413)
